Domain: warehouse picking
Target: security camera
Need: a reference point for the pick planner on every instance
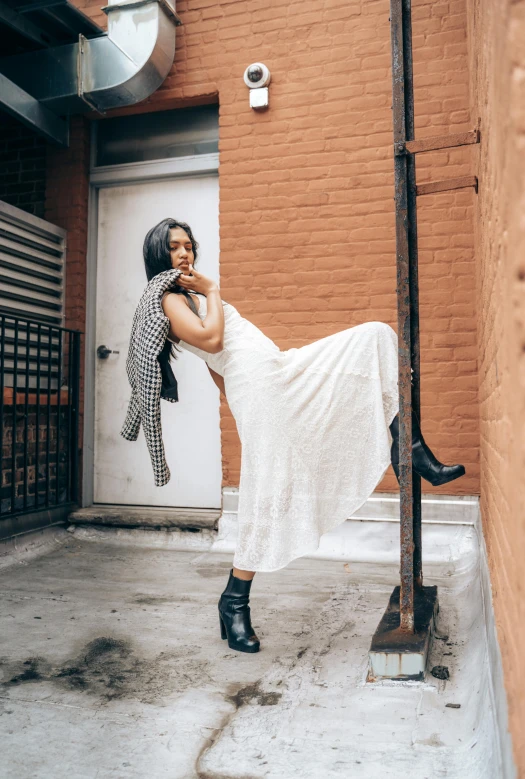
(257, 75)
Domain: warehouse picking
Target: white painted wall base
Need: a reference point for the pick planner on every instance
(372, 533)
(495, 669)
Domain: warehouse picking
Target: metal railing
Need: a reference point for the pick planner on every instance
(406, 193)
(39, 415)
(400, 645)
(407, 306)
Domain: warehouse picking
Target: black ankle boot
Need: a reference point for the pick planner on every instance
(234, 615)
(423, 460)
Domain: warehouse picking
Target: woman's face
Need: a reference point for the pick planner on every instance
(181, 251)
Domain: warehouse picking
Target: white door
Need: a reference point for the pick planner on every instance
(190, 428)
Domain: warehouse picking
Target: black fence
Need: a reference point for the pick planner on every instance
(39, 415)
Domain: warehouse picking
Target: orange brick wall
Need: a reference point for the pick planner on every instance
(306, 188)
(497, 54)
(67, 192)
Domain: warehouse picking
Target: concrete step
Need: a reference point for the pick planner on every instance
(147, 517)
(384, 506)
(435, 508)
(372, 533)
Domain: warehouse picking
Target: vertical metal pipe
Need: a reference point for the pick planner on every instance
(2, 385)
(413, 271)
(26, 411)
(13, 442)
(69, 412)
(59, 390)
(37, 413)
(76, 407)
(48, 426)
(406, 598)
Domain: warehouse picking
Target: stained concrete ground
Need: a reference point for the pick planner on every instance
(113, 666)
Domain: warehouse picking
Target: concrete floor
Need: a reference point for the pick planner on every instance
(112, 666)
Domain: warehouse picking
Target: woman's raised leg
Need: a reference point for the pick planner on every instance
(424, 461)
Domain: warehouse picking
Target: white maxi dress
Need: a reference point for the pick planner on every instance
(314, 428)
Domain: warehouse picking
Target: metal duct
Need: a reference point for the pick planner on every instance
(119, 68)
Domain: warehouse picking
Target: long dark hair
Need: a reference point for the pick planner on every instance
(157, 258)
(157, 246)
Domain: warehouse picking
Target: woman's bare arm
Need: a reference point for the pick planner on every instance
(218, 379)
(205, 334)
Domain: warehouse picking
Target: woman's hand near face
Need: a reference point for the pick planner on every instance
(207, 334)
(197, 282)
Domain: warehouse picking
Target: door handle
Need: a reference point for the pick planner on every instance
(103, 352)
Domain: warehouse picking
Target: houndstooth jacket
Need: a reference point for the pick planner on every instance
(143, 365)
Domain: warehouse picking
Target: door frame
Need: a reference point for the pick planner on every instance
(112, 176)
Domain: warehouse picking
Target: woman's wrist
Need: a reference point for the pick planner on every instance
(212, 289)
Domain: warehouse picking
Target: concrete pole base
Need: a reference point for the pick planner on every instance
(395, 654)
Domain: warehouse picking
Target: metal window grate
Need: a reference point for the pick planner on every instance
(39, 415)
(32, 254)
(39, 369)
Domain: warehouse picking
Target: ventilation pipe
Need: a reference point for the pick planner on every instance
(119, 68)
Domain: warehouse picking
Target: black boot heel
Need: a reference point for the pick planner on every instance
(423, 460)
(234, 615)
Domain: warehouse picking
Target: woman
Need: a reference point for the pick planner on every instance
(313, 422)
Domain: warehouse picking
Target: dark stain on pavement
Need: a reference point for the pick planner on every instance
(301, 652)
(239, 696)
(30, 670)
(215, 571)
(153, 600)
(252, 693)
(110, 669)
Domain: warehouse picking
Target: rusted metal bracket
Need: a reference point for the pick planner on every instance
(444, 186)
(434, 143)
(439, 142)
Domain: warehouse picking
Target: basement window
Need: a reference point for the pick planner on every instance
(157, 136)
